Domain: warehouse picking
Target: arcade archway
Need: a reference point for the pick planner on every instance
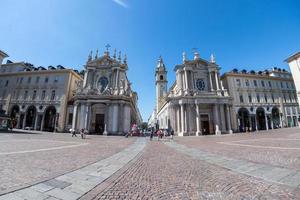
(14, 115)
(261, 119)
(30, 117)
(276, 117)
(49, 119)
(243, 117)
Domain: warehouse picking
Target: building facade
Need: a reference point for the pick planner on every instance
(294, 63)
(262, 100)
(104, 102)
(36, 98)
(196, 103)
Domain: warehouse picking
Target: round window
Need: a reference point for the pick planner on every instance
(102, 83)
(200, 84)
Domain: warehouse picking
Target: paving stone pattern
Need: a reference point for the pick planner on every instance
(266, 172)
(22, 170)
(162, 173)
(286, 158)
(73, 185)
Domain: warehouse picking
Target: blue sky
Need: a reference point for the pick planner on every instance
(243, 34)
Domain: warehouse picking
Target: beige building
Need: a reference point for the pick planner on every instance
(34, 97)
(104, 102)
(196, 103)
(262, 100)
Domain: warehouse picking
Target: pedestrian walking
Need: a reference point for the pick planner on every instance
(151, 135)
(158, 133)
(73, 132)
(82, 133)
(172, 134)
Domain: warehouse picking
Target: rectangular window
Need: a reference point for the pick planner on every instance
(34, 95)
(29, 80)
(287, 85)
(6, 83)
(258, 98)
(270, 84)
(55, 79)
(241, 99)
(281, 84)
(262, 83)
(247, 83)
(266, 98)
(21, 80)
(43, 95)
(255, 83)
(46, 79)
(273, 99)
(37, 80)
(250, 98)
(26, 94)
(53, 95)
(238, 82)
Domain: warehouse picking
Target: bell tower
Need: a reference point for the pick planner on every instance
(160, 83)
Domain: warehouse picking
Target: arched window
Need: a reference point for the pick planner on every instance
(53, 95)
(161, 77)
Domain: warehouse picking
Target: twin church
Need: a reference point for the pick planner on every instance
(196, 102)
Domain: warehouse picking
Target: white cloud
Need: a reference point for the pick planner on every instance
(121, 3)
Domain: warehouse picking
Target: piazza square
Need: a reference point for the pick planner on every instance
(160, 100)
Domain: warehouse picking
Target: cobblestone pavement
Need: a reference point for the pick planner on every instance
(26, 159)
(163, 173)
(279, 147)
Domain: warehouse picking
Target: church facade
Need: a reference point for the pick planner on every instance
(196, 103)
(104, 102)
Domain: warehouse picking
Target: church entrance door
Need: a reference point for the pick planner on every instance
(204, 124)
(99, 125)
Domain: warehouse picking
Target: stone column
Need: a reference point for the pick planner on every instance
(217, 80)
(74, 116)
(186, 128)
(82, 116)
(222, 117)
(186, 80)
(193, 79)
(87, 116)
(36, 121)
(210, 81)
(178, 119)
(216, 119)
(43, 121)
(121, 119)
(182, 119)
(256, 124)
(228, 120)
(266, 119)
(272, 125)
(198, 120)
(180, 82)
(117, 79)
(24, 121)
(115, 118)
